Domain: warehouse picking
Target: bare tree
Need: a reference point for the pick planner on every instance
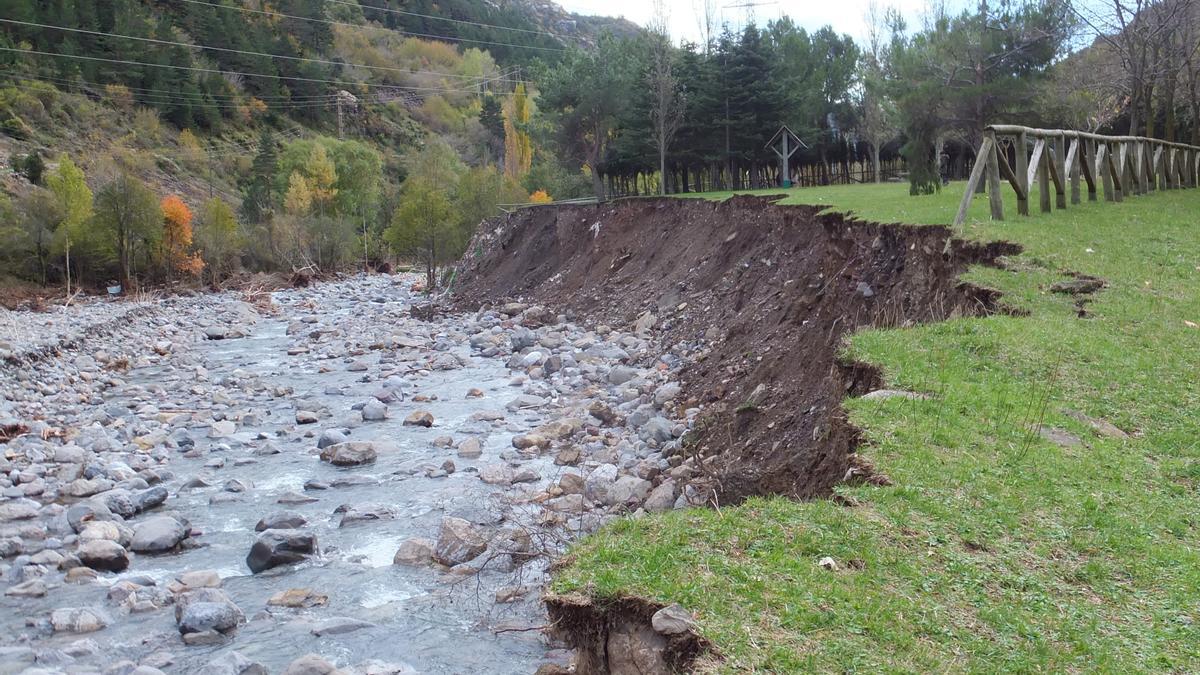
(1140, 33)
(667, 98)
(706, 18)
(878, 122)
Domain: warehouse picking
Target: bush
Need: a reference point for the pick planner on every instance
(31, 166)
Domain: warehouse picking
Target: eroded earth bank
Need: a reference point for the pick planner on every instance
(325, 478)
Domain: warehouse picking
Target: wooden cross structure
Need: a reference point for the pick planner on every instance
(789, 143)
(1119, 166)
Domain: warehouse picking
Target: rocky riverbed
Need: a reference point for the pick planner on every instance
(316, 482)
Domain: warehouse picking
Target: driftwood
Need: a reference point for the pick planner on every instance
(1064, 160)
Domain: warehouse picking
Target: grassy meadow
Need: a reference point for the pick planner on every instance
(1045, 513)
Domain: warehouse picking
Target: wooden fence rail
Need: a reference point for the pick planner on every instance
(1117, 166)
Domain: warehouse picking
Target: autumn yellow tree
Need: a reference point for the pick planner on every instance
(177, 239)
(518, 146)
(321, 179)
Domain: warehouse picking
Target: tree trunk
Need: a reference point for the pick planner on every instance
(875, 162)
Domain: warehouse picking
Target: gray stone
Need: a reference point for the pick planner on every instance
(621, 374)
(280, 547)
(350, 453)
(672, 620)
(340, 625)
(103, 555)
(310, 664)
(628, 490)
(207, 609)
(458, 542)
(78, 620)
(470, 448)
(282, 520)
(232, 663)
(157, 535)
(374, 411)
(599, 482)
(661, 498)
(414, 551)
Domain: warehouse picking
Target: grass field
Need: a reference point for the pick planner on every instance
(997, 548)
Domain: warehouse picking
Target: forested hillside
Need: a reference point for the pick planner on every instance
(285, 129)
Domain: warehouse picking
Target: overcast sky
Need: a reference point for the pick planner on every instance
(846, 16)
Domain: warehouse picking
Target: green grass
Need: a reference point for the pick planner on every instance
(995, 549)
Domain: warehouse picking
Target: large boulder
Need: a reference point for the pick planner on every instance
(78, 620)
(599, 482)
(350, 453)
(157, 535)
(414, 551)
(103, 555)
(207, 609)
(280, 547)
(458, 542)
(281, 520)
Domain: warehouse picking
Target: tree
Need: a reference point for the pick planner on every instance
(667, 102)
(299, 200)
(176, 239)
(1138, 31)
(40, 215)
(491, 118)
(518, 148)
(128, 214)
(584, 94)
(74, 198)
(425, 227)
(258, 193)
(876, 123)
(216, 237)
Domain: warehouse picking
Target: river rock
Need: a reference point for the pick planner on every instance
(103, 555)
(458, 542)
(416, 551)
(470, 448)
(627, 490)
(310, 664)
(207, 609)
(661, 498)
(78, 620)
(280, 547)
(340, 625)
(599, 482)
(374, 411)
(350, 453)
(232, 663)
(283, 520)
(157, 535)
(297, 598)
(419, 418)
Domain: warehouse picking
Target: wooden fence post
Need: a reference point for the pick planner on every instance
(1073, 169)
(1022, 173)
(973, 181)
(1102, 162)
(1060, 172)
(995, 199)
(1088, 164)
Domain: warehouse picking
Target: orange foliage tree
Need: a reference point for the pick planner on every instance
(177, 239)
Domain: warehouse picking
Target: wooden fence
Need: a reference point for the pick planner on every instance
(1120, 166)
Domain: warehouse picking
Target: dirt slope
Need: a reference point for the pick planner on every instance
(769, 291)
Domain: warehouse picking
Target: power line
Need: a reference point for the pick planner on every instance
(245, 74)
(226, 50)
(198, 96)
(351, 25)
(389, 10)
